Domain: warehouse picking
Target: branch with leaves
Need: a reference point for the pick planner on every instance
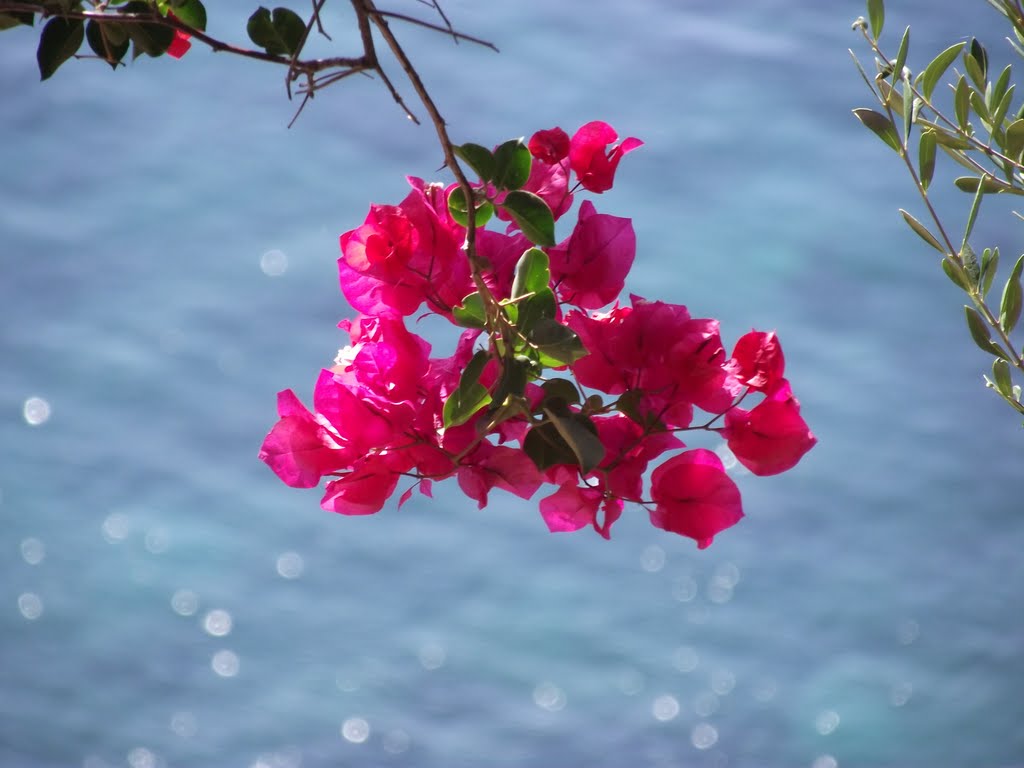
(977, 130)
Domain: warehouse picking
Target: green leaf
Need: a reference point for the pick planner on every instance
(460, 211)
(901, 57)
(532, 273)
(471, 314)
(279, 34)
(16, 19)
(943, 137)
(880, 125)
(1015, 139)
(191, 12)
(956, 273)
(479, 159)
(512, 163)
(922, 231)
(876, 17)
(560, 389)
(1001, 84)
(989, 267)
(989, 185)
(470, 396)
(555, 343)
(1001, 378)
(102, 46)
(59, 41)
(532, 215)
(979, 331)
(1001, 109)
(1010, 306)
(580, 434)
(962, 102)
(934, 71)
(926, 157)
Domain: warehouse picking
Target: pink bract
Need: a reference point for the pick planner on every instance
(771, 437)
(550, 146)
(590, 267)
(592, 160)
(694, 496)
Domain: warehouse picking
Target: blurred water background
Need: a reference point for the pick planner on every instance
(168, 250)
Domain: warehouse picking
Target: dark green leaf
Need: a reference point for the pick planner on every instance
(191, 12)
(16, 18)
(512, 162)
(290, 28)
(99, 39)
(628, 404)
(922, 231)
(514, 376)
(560, 389)
(460, 211)
(532, 215)
(532, 273)
(541, 305)
(471, 313)
(976, 62)
(470, 396)
(580, 434)
(479, 158)
(1010, 306)
(934, 71)
(547, 448)
(557, 344)
(59, 41)
(279, 34)
(880, 125)
(876, 17)
(926, 157)
(152, 39)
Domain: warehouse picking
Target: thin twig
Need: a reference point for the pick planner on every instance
(438, 28)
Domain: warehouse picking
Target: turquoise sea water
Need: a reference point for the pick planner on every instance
(165, 601)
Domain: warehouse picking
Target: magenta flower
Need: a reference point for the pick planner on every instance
(591, 159)
(771, 437)
(694, 496)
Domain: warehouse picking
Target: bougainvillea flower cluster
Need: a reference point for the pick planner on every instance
(553, 380)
